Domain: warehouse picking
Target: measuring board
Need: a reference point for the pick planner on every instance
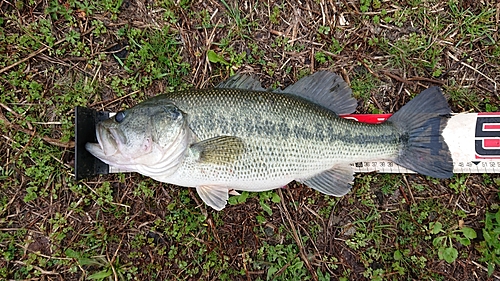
(473, 139)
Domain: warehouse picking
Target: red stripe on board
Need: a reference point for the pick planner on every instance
(381, 118)
(491, 143)
(368, 118)
(489, 113)
(491, 127)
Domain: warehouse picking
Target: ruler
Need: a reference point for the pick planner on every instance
(473, 140)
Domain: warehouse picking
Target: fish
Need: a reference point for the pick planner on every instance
(239, 136)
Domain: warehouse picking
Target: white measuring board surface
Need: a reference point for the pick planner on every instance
(473, 140)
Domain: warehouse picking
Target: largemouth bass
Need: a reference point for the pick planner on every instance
(239, 136)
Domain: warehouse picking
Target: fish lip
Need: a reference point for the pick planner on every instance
(107, 139)
(98, 136)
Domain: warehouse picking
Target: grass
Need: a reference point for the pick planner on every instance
(109, 55)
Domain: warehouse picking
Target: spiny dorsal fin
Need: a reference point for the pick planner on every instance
(336, 181)
(326, 89)
(241, 81)
(219, 150)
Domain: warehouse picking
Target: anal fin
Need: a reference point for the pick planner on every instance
(214, 196)
(234, 192)
(336, 181)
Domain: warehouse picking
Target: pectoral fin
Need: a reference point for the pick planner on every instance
(213, 196)
(336, 181)
(219, 150)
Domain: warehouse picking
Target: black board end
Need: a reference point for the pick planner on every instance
(86, 165)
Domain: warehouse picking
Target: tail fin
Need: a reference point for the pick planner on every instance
(422, 121)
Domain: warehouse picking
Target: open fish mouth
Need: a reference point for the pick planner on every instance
(108, 139)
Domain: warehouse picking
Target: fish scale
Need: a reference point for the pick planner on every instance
(241, 137)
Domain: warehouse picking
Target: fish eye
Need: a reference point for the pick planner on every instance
(174, 113)
(120, 116)
(172, 110)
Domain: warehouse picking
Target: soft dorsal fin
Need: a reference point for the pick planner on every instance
(241, 81)
(336, 181)
(219, 150)
(326, 89)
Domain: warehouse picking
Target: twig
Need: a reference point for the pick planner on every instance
(51, 141)
(30, 56)
(409, 189)
(485, 269)
(114, 258)
(396, 77)
(411, 79)
(296, 237)
(38, 268)
(418, 78)
(404, 195)
(474, 69)
(113, 101)
(38, 253)
(112, 266)
(35, 53)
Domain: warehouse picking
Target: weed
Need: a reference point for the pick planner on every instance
(459, 185)
(336, 47)
(465, 98)
(143, 189)
(444, 243)
(325, 30)
(363, 84)
(320, 57)
(105, 269)
(213, 57)
(389, 183)
(364, 193)
(57, 10)
(239, 199)
(270, 68)
(111, 6)
(490, 247)
(472, 26)
(235, 60)
(281, 261)
(240, 23)
(417, 50)
(275, 15)
(365, 5)
(368, 231)
(404, 260)
(265, 197)
(156, 54)
(490, 106)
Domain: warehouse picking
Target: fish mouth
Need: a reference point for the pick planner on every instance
(108, 142)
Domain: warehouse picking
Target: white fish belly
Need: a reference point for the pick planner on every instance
(270, 164)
